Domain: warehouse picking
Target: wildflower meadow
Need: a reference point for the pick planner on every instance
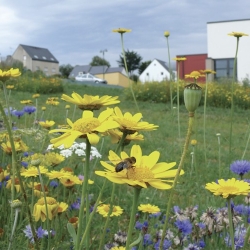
(102, 168)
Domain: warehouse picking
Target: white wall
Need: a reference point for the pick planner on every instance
(154, 70)
(220, 45)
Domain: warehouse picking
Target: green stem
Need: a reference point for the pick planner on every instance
(13, 228)
(14, 162)
(204, 121)
(170, 83)
(219, 157)
(112, 196)
(126, 68)
(83, 197)
(46, 206)
(232, 101)
(93, 213)
(230, 218)
(190, 125)
(132, 216)
(178, 101)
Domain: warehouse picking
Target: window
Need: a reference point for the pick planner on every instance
(53, 70)
(44, 58)
(224, 68)
(147, 74)
(24, 58)
(35, 56)
(161, 73)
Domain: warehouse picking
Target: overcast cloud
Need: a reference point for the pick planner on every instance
(76, 30)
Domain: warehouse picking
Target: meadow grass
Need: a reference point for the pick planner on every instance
(190, 190)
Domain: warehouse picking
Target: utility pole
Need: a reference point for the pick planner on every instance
(103, 52)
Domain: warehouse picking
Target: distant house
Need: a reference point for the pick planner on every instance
(157, 71)
(113, 75)
(35, 58)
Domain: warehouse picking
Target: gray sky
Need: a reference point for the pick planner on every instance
(76, 30)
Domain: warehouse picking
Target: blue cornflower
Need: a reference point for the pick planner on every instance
(176, 209)
(156, 215)
(6, 110)
(76, 205)
(201, 243)
(53, 184)
(18, 113)
(28, 233)
(239, 238)
(240, 209)
(184, 226)
(138, 225)
(24, 164)
(166, 244)
(29, 109)
(201, 225)
(40, 232)
(240, 167)
(147, 240)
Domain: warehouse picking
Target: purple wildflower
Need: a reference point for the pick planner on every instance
(24, 164)
(147, 240)
(40, 232)
(184, 226)
(166, 244)
(138, 225)
(18, 113)
(29, 109)
(53, 184)
(240, 167)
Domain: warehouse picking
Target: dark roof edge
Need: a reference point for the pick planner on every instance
(199, 54)
(237, 20)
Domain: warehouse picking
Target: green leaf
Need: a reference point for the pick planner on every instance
(72, 232)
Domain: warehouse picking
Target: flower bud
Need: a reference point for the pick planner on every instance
(192, 97)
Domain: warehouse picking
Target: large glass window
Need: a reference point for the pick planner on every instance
(224, 68)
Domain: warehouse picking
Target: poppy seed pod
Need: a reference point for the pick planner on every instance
(192, 97)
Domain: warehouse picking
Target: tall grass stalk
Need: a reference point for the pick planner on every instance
(126, 68)
(232, 101)
(204, 121)
(169, 204)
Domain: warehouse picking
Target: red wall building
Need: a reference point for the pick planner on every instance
(195, 62)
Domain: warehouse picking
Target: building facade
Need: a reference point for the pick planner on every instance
(35, 58)
(221, 48)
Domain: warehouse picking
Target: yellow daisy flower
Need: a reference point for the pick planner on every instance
(6, 147)
(145, 172)
(67, 106)
(52, 102)
(121, 30)
(53, 159)
(131, 123)
(47, 124)
(87, 126)
(6, 74)
(207, 71)
(118, 248)
(194, 74)
(10, 87)
(17, 185)
(26, 102)
(237, 34)
(58, 174)
(62, 207)
(35, 95)
(89, 102)
(70, 181)
(39, 211)
(116, 136)
(38, 190)
(33, 171)
(74, 221)
(103, 210)
(229, 188)
(1, 174)
(43, 108)
(147, 208)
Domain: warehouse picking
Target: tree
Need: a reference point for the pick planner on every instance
(133, 60)
(98, 61)
(143, 66)
(65, 70)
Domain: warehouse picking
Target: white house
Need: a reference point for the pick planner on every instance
(157, 71)
(221, 48)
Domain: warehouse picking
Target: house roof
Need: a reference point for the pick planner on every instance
(163, 64)
(39, 54)
(98, 69)
(95, 70)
